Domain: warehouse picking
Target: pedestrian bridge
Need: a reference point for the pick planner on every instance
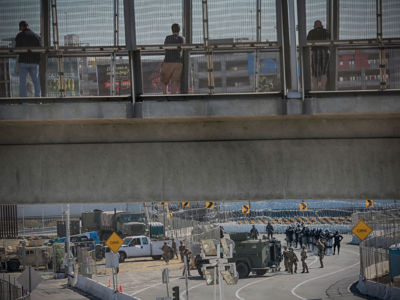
(200, 150)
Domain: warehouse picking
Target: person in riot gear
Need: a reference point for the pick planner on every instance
(270, 230)
(337, 239)
(254, 233)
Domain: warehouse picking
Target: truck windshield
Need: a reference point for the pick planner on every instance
(125, 218)
(126, 241)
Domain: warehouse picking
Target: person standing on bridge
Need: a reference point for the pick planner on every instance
(337, 238)
(171, 68)
(28, 62)
(254, 233)
(319, 56)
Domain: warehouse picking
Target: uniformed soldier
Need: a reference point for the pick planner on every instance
(321, 251)
(182, 250)
(254, 233)
(292, 261)
(188, 256)
(270, 230)
(285, 253)
(338, 238)
(174, 249)
(303, 256)
(166, 252)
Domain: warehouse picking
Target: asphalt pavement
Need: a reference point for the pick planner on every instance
(334, 281)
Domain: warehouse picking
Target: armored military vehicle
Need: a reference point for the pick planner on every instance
(35, 256)
(255, 256)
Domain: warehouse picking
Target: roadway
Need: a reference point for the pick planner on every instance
(332, 282)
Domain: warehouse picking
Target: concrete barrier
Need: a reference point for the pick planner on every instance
(378, 290)
(99, 290)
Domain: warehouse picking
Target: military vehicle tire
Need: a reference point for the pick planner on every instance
(13, 266)
(261, 272)
(156, 257)
(243, 269)
(122, 257)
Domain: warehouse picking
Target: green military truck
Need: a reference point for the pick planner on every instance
(255, 256)
(123, 223)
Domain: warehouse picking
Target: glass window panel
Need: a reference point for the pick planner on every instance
(358, 69)
(268, 20)
(85, 22)
(393, 68)
(14, 11)
(230, 19)
(316, 10)
(154, 20)
(357, 19)
(390, 18)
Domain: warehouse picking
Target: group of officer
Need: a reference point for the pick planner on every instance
(170, 251)
(301, 235)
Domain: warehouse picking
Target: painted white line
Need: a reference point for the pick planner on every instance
(189, 289)
(255, 282)
(318, 277)
(247, 285)
(151, 286)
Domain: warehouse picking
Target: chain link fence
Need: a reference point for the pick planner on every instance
(9, 290)
(374, 251)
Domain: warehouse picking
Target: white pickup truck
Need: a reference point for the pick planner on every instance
(142, 246)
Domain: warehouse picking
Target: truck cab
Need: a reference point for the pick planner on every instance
(141, 246)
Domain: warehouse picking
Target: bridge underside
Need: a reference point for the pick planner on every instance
(201, 159)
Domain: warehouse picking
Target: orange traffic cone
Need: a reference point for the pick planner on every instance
(120, 288)
(109, 282)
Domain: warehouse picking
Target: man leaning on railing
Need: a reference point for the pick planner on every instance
(319, 56)
(28, 62)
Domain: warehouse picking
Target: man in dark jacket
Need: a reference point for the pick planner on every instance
(28, 62)
(319, 56)
(171, 68)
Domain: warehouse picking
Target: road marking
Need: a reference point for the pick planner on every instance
(318, 277)
(191, 288)
(151, 286)
(251, 283)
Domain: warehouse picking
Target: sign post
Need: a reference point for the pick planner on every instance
(114, 242)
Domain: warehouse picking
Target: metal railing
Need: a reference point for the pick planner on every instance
(374, 251)
(243, 61)
(9, 290)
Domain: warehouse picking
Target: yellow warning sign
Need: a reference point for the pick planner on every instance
(185, 204)
(114, 242)
(246, 209)
(369, 203)
(361, 230)
(303, 206)
(210, 204)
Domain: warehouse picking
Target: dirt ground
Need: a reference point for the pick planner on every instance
(142, 264)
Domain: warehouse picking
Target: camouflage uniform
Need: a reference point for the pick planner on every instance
(285, 254)
(303, 255)
(166, 252)
(292, 261)
(321, 251)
